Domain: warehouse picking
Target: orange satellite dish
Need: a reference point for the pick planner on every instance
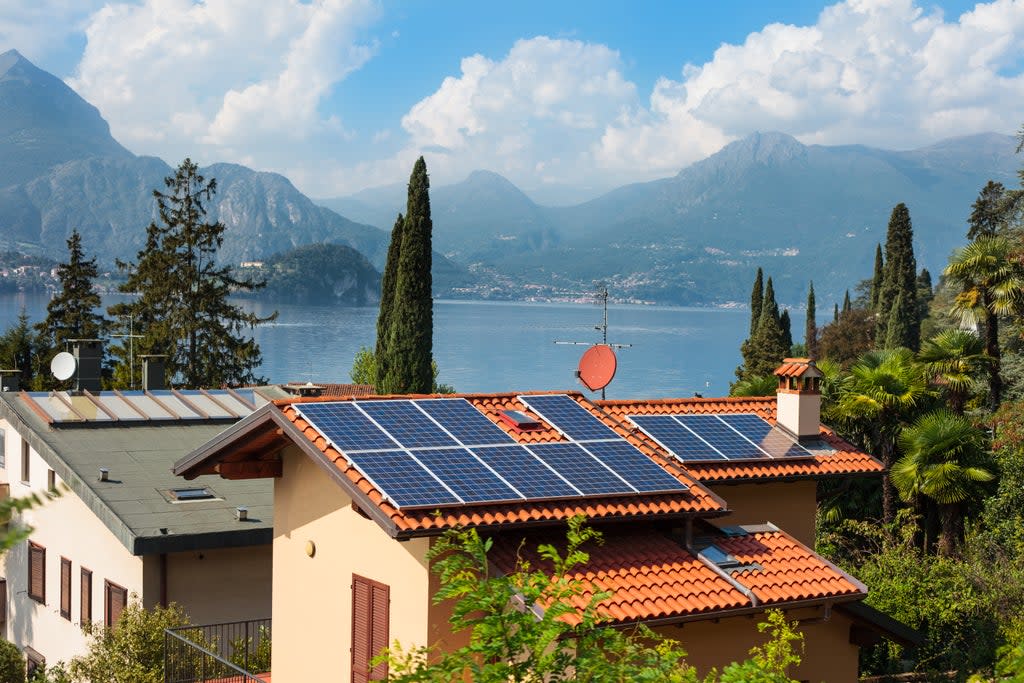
(597, 367)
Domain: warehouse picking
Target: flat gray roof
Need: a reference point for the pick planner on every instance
(135, 504)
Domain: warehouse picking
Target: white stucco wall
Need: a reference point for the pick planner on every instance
(66, 528)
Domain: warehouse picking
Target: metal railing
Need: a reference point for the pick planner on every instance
(234, 652)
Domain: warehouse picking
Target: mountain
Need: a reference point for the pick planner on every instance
(43, 123)
(61, 169)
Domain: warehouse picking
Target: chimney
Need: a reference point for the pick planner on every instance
(798, 401)
(89, 356)
(10, 380)
(153, 373)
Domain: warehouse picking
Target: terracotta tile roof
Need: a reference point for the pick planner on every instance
(653, 577)
(796, 367)
(845, 459)
(696, 501)
(333, 390)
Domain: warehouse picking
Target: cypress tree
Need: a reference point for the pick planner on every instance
(766, 348)
(847, 305)
(410, 344)
(987, 212)
(787, 331)
(902, 322)
(71, 313)
(924, 294)
(811, 326)
(387, 302)
(835, 313)
(899, 278)
(183, 309)
(876, 280)
(756, 299)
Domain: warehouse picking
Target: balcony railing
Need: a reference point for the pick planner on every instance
(235, 652)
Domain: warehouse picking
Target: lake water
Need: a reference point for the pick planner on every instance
(489, 346)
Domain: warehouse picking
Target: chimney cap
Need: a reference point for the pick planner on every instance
(798, 367)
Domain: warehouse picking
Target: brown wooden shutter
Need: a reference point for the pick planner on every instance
(3, 608)
(37, 572)
(370, 628)
(116, 598)
(65, 588)
(85, 609)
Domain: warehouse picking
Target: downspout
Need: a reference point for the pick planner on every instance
(163, 579)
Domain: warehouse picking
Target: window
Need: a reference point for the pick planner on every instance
(26, 454)
(369, 628)
(51, 480)
(36, 662)
(115, 598)
(65, 588)
(37, 572)
(3, 449)
(85, 609)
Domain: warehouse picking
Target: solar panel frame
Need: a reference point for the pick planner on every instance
(406, 424)
(768, 438)
(524, 470)
(644, 475)
(466, 475)
(673, 436)
(360, 433)
(403, 480)
(465, 423)
(585, 472)
(723, 438)
(569, 418)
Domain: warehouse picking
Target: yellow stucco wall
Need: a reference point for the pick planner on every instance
(790, 505)
(312, 596)
(224, 584)
(827, 653)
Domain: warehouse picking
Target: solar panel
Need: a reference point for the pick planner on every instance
(346, 427)
(406, 424)
(641, 472)
(771, 439)
(569, 417)
(668, 432)
(466, 475)
(725, 439)
(403, 480)
(523, 470)
(580, 468)
(463, 421)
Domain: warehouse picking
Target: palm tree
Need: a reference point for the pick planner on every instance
(760, 385)
(944, 457)
(882, 390)
(991, 281)
(952, 359)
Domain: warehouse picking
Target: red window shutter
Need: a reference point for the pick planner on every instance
(361, 606)
(37, 572)
(116, 598)
(85, 609)
(65, 588)
(379, 623)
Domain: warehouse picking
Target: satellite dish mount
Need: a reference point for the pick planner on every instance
(63, 366)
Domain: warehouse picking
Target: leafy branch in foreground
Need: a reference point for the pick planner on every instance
(539, 623)
(11, 536)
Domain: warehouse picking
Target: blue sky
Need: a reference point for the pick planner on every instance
(565, 99)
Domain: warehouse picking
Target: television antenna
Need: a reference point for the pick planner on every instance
(598, 363)
(131, 337)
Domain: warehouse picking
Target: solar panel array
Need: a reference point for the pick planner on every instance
(444, 452)
(701, 438)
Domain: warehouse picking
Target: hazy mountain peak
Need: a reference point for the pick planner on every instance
(765, 148)
(9, 60)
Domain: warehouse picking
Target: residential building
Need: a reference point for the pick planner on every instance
(123, 525)
(363, 487)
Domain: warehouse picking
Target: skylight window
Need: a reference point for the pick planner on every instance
(183, 495)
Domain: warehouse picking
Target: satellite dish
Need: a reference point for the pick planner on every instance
(63, 365)
(597, 367)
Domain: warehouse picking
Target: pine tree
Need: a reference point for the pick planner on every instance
(847, 304)
(899, 278)
(876, 280)
(71, 313)
(925, 294)
(787, 330)
(20, 349)
(410, 343)
(811, 326)
(987, 213)
(182, 309)
(756, 299)
(387, 302)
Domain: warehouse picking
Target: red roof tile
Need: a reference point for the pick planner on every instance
(653, 577)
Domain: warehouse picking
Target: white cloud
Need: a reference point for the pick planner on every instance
(41, 29)
(221, 81)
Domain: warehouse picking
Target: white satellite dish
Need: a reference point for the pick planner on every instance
(63, 365)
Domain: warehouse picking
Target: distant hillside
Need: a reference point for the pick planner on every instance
(318, 274)
(60, 169)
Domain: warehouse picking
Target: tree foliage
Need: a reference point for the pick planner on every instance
(387, 303)
(510, 642)
(756, 301)
(182, 309)
(766, 347)
(12, 663)
(72, 312)
(811, 325)
(899, 278)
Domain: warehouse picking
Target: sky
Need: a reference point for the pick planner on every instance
(565, 98)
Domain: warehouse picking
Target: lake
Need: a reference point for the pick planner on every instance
(505, 346)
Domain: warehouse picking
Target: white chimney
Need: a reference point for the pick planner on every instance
(798, 401)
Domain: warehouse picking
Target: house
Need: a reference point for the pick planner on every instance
(124, 525)
(363, 487)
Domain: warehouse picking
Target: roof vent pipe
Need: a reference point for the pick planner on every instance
(241, 513)
(89, 356)
(10, 380)
(104, 474)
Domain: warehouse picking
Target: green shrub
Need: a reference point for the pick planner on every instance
(12, 663)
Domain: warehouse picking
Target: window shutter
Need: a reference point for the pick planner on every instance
(361, 599)
(37, 572)
(85, 609)
(65, 588)
(3, 608)
(379, 629)
(116, 599)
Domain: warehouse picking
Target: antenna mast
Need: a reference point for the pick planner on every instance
(602, 297)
